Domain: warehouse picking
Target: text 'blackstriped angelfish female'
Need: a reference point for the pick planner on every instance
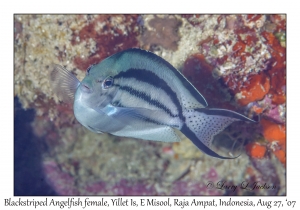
(135, 93)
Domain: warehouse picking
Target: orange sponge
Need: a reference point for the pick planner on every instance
(258, 88)
(274, 132)
(256, 150)
(280, 154)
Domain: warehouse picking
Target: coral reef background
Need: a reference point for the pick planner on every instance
(237, 62)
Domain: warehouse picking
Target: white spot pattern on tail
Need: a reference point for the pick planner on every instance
(206, 126)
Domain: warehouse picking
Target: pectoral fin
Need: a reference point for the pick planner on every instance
(64, 83)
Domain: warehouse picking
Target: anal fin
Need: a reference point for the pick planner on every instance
(64, 83)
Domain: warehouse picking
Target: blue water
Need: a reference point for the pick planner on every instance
(28, 175)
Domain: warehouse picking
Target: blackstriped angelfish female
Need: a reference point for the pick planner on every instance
(136, 93)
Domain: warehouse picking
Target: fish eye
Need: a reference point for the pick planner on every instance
(107, 83)
(89, 68)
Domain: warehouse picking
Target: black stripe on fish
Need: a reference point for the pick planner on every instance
(163, 62)
(146, 98)
(159, 123)
(151, 78)
(147, 119)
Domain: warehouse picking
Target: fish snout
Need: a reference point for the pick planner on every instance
(86, 88)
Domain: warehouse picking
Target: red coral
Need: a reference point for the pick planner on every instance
(253, 17)
(192, 19)
(277, 68)
(274, 132)
(276, 135)
(274, 67)
(110, 39)
(256, 150)
(255, 90)
(279, 21)
(257, 76)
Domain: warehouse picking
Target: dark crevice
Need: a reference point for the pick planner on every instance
(29, 179)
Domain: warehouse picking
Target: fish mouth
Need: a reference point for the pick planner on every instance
(86, 88)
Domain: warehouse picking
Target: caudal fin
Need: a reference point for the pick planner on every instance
(201, 125)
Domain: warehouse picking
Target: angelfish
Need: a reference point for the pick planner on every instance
(135, 93)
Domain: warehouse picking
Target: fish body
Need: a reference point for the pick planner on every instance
(135, 93)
